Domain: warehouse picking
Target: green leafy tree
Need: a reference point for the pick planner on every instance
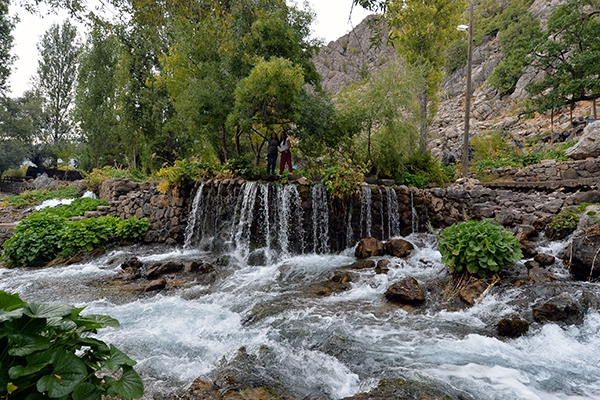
(57, 72)
(384, 111)
(420, 30)
(15, 134)
(267, 101)
(569, 56)
(7, 25)
(95, 103)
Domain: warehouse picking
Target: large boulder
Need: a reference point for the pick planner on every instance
(407, 291)
(369, 247)
(398, 247)
(160, 269)
(582, 255)
(588, 145)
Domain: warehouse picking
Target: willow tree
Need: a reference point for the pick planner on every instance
(420, 31)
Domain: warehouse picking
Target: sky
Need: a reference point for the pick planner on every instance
(332, 22)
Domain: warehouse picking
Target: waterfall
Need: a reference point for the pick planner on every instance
(365, 212)
(392, 212)
(320, 219)
(415, 217)
(290, 218)
(265, 223)
(349, 230)
(244, 216)
(193, 217)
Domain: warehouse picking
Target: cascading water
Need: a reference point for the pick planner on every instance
(415, 215)
(392, 212)
(320, 219)
(195, 215)
(262, 322)
(365, 212)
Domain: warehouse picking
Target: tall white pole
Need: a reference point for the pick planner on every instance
(465, 150)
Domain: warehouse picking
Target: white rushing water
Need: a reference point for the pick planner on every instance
(325, 346)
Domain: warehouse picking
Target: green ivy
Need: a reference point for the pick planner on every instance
(46, 352)
(478, 247)
(49, 234)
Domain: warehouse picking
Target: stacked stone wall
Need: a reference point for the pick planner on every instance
(167, 212)
(550, 170)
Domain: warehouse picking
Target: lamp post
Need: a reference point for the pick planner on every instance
(465, 150)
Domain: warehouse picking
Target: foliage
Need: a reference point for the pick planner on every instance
(478, 247)
(99, 175)
(422, 168)
(34, 197)
(241, 166)
(48, 234)
(566, 219)
(494, 151)
(15, 130)
(48, 352)
(7, 24)
(57, 72)
(343, 181)
(181, 173)
(569, 56)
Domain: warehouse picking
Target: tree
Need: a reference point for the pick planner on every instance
(267, 101)
(7, 24)
(384, 112)
(57, 72)
(95, 103)
(16, 131)
(569, 56)
(420, 30)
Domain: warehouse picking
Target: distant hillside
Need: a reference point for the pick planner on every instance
(350, 57)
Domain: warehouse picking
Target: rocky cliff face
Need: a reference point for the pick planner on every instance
(349, 58)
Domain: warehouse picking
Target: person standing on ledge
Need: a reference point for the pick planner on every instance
(272, 154)
(286, 154)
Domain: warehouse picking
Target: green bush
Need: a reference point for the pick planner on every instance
(181, 173)
(47, 352)
(241, 166)
(343, 181)
(478, 247)
(49, 234)
(565, 219)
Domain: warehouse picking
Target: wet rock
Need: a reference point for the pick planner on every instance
(382, 266)
(157, 284)
(407, 291)
(369, 247)
(583, 255)
(472, 291)
(362, 264)
(131, 269)
(541, 275)
(558, 234)
(560, 308)
(398, 247)
(531, 264)
(527, 247)
(544, 259)
(514, 327)
(523, 232)
(391, 389)
(339, 282)
(169, 267)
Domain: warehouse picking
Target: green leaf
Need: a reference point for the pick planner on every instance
(86, 391)
(35, 363)
(10, 315)
(42, 310)
(129, 386)
(69, 371)
(9, 302)
(117, 359)
(24, 344)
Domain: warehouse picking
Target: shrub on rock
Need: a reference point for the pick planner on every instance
(478, 247)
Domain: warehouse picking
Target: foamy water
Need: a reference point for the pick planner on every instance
(333, 346)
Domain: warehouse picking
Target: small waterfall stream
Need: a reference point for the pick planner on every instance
(365, 212)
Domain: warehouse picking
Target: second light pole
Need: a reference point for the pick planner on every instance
(465, 149)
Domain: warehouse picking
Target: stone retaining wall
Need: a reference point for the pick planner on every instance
(167, 212)
(550, 170)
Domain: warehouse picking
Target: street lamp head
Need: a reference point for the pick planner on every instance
(463, 28)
